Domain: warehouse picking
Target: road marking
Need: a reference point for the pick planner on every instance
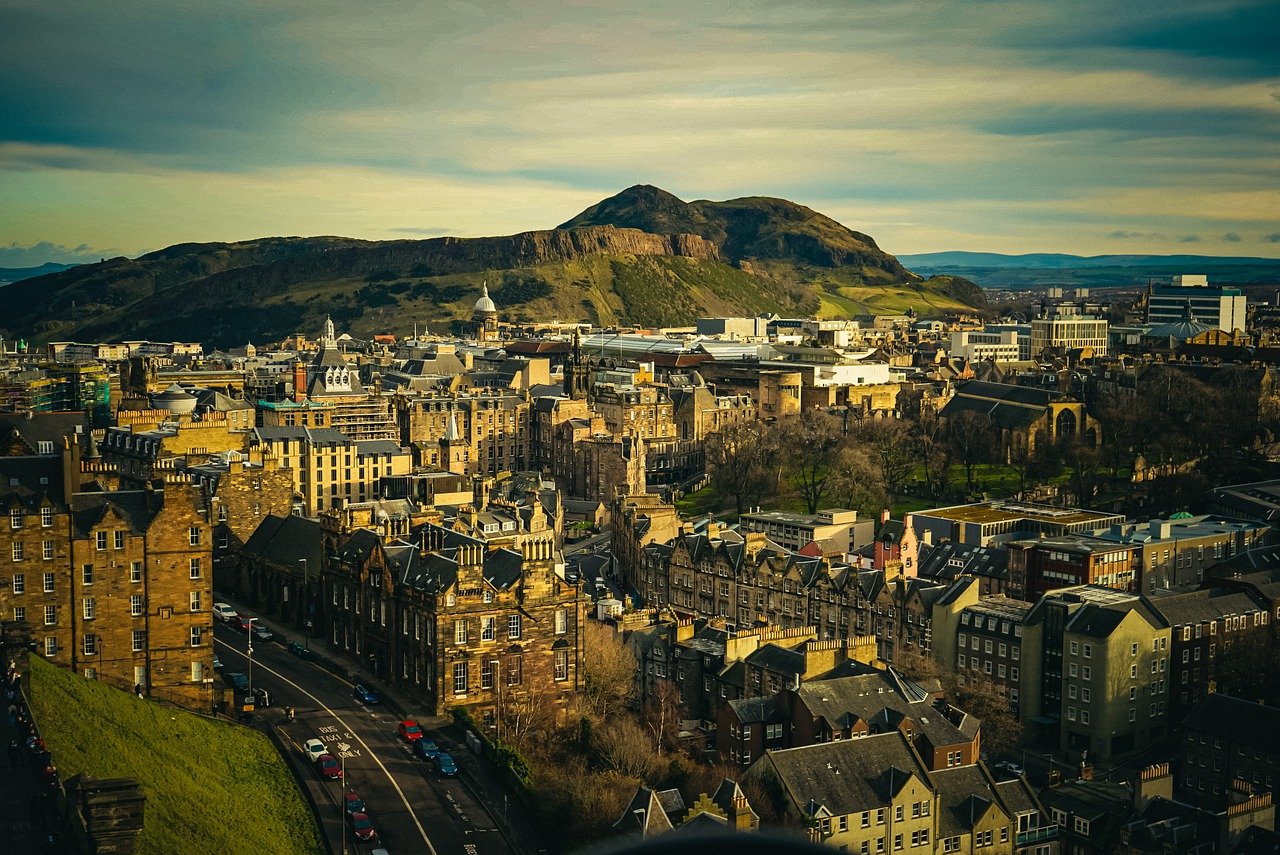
(404, 800)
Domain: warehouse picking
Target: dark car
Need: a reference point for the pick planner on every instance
(444, 764)
(353, 803)
(261, 633)
(297, 648)
(365, 695)
(329, 767)
(362, 827)
(236, 680)
(425, 748)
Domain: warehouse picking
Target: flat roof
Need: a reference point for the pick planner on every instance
(992, 512)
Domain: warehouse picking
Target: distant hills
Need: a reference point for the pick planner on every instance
(641, 257)
(993, 270)
(15, 274)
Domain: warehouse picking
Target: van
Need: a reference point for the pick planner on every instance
(223, 612)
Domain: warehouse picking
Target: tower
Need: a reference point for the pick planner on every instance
(576, 380)
(453, 450)
(485, 316)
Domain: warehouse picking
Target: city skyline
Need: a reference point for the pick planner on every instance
(1010, 127)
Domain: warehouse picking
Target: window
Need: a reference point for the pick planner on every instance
(1081, 825)
(954, 758)
(20, 613)
(19, 584)
(50, 645)
(513, 626)
(1088, 651)
(135, 571)
(50, 615)
(982, 838)
(897, 842)
(460, 678)
(90, 608)
(101, 540)
(197, 636)
(1071, 713)
(139, 640)
(515, 670)
(486, 629)
(459, 632)
(1085, 694)
(49, 581)
(46, 517)
(47, 550)
(119, 539)
(193, 535)
(19, 551)
(1073, 670)
(562, 666)
(135, 605)
(1084, 716)
(1086, 673)
(898, 813)
(15, 519)
(195, 601)
(1133, 715)
(195, 568)
(89, 645)
(487, 669)
(562, 621)
(1075, 648)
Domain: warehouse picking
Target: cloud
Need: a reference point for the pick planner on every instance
(1274, 237)
(1189, 239)
(1123, 234)
(422, 232)
(35, 254)
(1232, 237)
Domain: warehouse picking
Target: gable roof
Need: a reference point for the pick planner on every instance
(849, 775)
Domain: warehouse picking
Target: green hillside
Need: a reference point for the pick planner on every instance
(642, 257)
(210, 787)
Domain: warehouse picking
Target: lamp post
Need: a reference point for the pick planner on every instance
(342, 808)
(306, 606)
(250, 621)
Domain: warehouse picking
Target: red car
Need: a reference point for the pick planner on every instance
(329, 767)
(241, 622)
(409, 730)
(362, 827)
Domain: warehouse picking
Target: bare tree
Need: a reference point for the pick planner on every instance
(809, 442)
(623, 745)
(737, 459)
(609, 669)
(973, 441)
(856, 480)
(888, 441)
(934, 452)
(661, 715)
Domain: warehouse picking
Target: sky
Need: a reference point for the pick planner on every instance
(1079, 126)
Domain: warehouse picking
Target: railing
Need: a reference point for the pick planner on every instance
(1037, 835)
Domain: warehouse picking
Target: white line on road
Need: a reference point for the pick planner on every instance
(355, 736)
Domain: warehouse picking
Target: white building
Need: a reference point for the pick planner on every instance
(1066, 330)
(978, 345)
(1219, 308)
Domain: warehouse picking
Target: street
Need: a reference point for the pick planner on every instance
(413, 809)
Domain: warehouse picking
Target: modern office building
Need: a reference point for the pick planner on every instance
(1219, 308)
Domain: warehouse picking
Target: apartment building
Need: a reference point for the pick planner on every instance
(973, 633)
(1065, 329)
(837, 528)
(1176, 552)
(1045, 564)
(488, 430)
(328, 467)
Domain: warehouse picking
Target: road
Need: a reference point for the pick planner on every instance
(413, 809)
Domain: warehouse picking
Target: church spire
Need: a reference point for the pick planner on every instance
(329, 339)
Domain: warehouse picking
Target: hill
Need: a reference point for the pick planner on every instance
(992, 269)
(16, 274)
(642, 257)
(203, 779)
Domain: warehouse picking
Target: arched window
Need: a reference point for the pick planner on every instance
(1065, 425)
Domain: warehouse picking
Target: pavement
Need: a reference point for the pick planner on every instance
(29, 813)
(504, 807)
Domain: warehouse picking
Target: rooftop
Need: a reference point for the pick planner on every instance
(991, 512)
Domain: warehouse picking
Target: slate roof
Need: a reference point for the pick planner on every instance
(848, 775)
(1006, 405)
(965, 794)
(758, 710)
(882, 698)
(1206, 605)
(778, 659)
(138, 507)
(287, 540)
(41, 427)
(949, 560)
(644, 815)
(35, 477)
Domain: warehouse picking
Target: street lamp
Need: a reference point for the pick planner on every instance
(306, 606)
(250, 621)
(342, 807)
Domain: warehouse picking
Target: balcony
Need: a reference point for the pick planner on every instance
(1037, 835)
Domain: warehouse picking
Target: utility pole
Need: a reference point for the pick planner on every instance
(250, 621)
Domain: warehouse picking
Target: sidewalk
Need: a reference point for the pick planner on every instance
(486, 783)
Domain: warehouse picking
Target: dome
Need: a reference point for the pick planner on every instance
(1179, 330)
(175, 399)
(485, 304)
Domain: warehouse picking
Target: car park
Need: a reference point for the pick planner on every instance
(426, 748)
(409, 730)
(315, 748)
(224, 612)
(365, 695)
(329, 767)
(236, 680)
(362, 827)
(444, 764)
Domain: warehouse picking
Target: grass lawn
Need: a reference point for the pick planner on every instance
(210, 787)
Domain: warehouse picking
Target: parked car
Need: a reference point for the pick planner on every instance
(217, 663)
(1010, 767)
(426, 748)
(362, 827)
(261, 633)
(236, 680)
(297, 648)
(444, 764)
(329, 767)
(224, 612)
(261, 697)
(353, 803)
(409, 730)
(314, 748)
(242, 622)
(365, 695)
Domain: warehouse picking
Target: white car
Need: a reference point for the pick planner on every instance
(224, 612)
(314, 748)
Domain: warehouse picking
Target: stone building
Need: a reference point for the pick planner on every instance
(328, 467)
(1025, 418)
(488, 431)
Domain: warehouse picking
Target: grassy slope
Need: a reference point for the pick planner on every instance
(210, 787)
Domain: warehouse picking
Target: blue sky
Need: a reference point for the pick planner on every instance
(1021, 126)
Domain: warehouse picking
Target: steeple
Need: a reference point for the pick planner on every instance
(329, 340)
